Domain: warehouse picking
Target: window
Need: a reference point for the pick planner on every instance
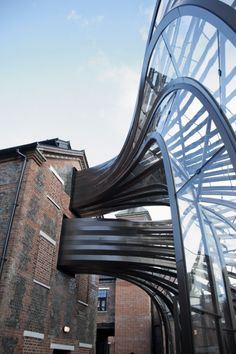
(83, 288)
(102, 299)
(44, 260)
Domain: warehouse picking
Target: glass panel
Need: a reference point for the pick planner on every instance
(178, 36)
(164, 7)
(204, 176)
(160, 72)
(230, 2)
(161, 69)
(218, 273)
(102, 300)
(217, 189)
(194, 49)
(102, 293)
(171, 131)
(142, 120)
(229, 342)
(190, 135)
(152, 155)
(228, 79)
(162, 113)
(149, 93)
(227, 236)
(217, 197)
(161, 12)
(205, 334)
(195, 256)
(205, 64)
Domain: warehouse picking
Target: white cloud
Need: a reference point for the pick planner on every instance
(143, 31)
(107, 103)
(125, 80)
(147, 13)
(72, 16)
(82, 20)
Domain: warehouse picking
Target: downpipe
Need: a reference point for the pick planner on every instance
(4, 251)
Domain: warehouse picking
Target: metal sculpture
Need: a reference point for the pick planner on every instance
(180, 151)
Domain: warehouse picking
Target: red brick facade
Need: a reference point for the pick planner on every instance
(109, 315)
(132, 319)
(36, 299)
(129, 311)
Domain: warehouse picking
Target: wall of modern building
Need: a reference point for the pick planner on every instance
(43, 310)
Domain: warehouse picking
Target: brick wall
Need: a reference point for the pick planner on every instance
(43, 267)
(133, 319)
(84, 351)
(32, 345)
(9, 176)
(83, 288)
(87, 314)
(109, 315)
(35, 296)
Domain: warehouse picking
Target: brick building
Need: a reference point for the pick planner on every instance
(106, 314)
(43, 310)
(124, 322)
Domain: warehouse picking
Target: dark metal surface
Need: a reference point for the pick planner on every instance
(141, 250)
(180, 151)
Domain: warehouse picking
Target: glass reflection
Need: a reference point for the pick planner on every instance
(204, 177)
(206, 193)
(190, 134)
(205, 334)
(164, 7)
(230, 2)
(217, 190)
(160, 72)
(228, 79)
(193, 45)
(217, 265)
(195, 253)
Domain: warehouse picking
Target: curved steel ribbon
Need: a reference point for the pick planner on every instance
(143, 251)
(180, 151)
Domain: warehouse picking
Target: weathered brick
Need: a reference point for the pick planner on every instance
(8, 345)
(133, 319)
(25, 255)
(25, 304)
(33, 208)
(18, 293)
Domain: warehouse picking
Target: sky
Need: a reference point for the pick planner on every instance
(70, 69)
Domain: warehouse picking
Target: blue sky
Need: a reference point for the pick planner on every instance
(70, 69)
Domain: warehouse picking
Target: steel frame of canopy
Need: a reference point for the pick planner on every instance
(163, 163)
(139, 252)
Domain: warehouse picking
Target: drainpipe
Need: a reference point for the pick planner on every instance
(4, 251)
